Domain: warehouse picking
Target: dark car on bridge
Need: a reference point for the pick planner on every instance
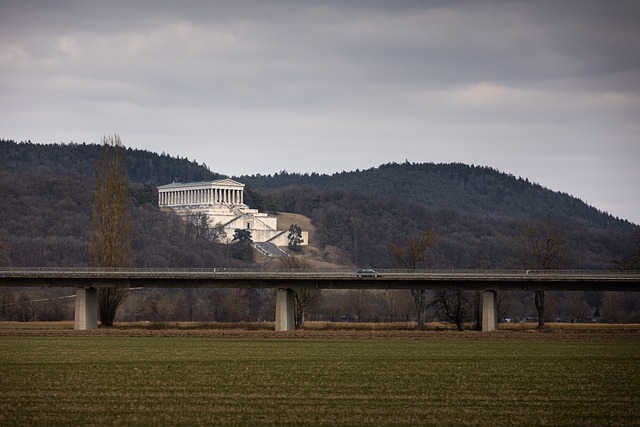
(367, 272)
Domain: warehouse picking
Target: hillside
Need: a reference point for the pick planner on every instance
(317, 256)
(464, 188)
(79, 160)
(478, 213)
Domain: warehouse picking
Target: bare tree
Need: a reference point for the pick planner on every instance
(305, 298)
(612, 307)
(390, 302)
(413, 254)
(110, 241)
(453, 305)
(542, 246)
(360, 301)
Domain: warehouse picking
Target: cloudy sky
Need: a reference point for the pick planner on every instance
(548, 90)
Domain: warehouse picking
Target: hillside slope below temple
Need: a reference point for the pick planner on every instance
(221, 202)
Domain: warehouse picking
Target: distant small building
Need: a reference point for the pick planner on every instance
(222, 202)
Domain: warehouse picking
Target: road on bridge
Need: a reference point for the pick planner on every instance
(526, 280)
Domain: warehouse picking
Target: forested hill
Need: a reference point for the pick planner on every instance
(464, 188)
(478, 213)
(80, 159)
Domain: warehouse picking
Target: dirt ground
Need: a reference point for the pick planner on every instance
(555, 332)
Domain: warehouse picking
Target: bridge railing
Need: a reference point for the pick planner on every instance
(9, 271)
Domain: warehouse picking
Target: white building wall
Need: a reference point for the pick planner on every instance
(222, 202)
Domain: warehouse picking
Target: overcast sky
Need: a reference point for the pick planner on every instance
(548, 90)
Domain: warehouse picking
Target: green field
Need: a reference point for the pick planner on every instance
(103, 379)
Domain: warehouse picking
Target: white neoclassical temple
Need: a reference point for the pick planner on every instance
(223, 191)
(222, 202)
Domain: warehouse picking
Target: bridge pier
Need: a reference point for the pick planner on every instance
(285, 306)
(86, 313)
(489, 311)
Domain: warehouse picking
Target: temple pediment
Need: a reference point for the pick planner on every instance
(227, 182)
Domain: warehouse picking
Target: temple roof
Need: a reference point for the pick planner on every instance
(225, 182)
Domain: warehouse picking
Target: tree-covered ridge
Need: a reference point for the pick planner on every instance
(471, 189)
(80, 159)
(465, 188)
(476, 212)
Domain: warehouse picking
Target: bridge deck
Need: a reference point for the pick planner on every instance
(326, 279)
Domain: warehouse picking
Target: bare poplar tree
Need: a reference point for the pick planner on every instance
(542, 246)
(110, 241)
(413, 254)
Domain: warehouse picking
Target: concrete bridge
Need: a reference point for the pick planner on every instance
(87, 280)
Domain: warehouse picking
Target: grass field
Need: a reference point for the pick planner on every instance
(436, 379)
